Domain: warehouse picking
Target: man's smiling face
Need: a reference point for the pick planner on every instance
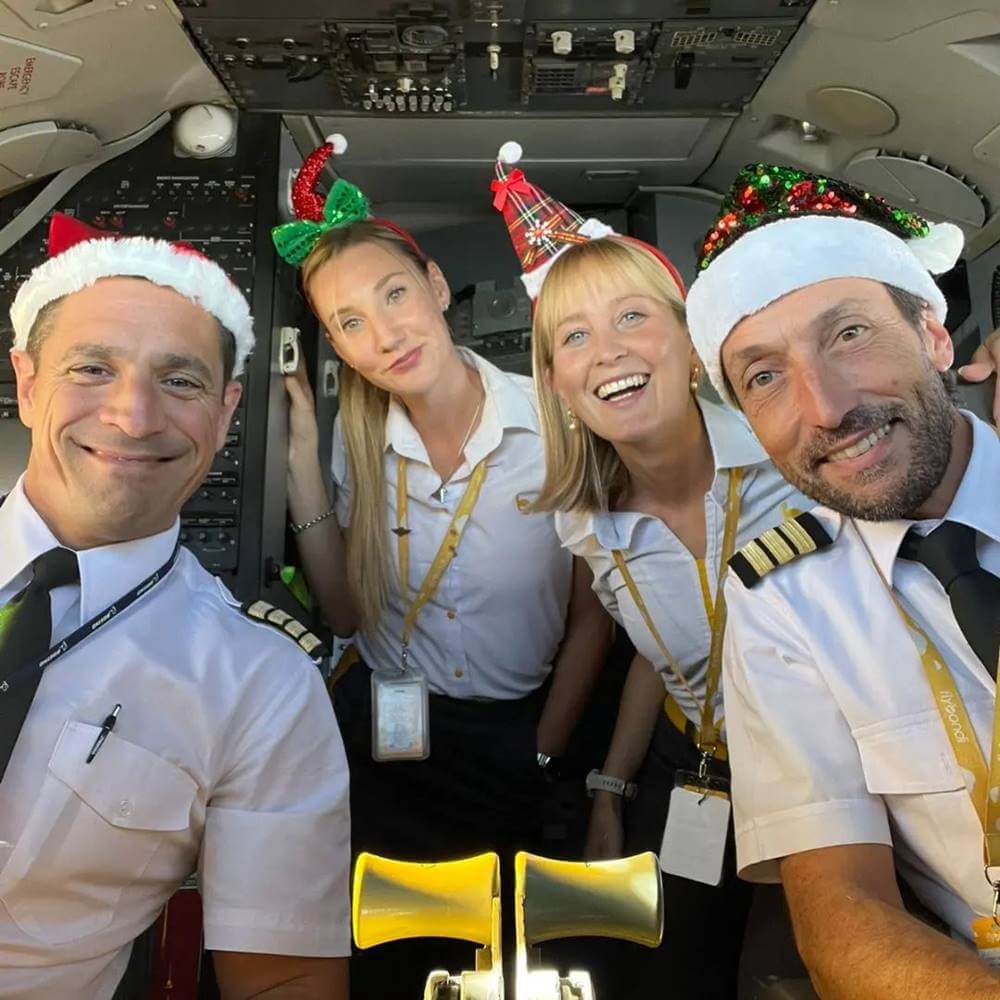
(127, 403)
(845, 395)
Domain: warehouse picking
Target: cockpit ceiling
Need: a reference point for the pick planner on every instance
(901, 97)
(438, 58)
(604, 97)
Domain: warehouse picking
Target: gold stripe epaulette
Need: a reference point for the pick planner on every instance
(261, 611)
(794, 537)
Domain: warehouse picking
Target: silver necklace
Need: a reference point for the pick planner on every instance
(441, 493)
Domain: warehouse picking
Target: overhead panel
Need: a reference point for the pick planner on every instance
(454, 57)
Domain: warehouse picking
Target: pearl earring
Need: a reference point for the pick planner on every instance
(695, 374)
(571, 423)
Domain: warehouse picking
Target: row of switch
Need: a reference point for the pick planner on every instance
(407, 98)
(205, 537)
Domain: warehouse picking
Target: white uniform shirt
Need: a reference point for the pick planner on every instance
(496, 621)
(225, 759)
(834, 735)
(668, 577)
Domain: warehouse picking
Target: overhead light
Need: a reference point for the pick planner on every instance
(810, 133)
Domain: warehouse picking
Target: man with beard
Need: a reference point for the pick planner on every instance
(148, 726)
(860, 678)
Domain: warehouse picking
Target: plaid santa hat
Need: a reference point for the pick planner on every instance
(80, 255)
(542, 228)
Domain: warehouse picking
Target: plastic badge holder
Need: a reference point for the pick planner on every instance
(400, 716)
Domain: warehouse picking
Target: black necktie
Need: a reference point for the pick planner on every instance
(25, 636)
(949, 552)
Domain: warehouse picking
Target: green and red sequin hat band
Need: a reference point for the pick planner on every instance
(765, 192)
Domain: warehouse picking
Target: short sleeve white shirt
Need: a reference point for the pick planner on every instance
(834, 736)
(225, 759)
(494, 625)
(668, 577)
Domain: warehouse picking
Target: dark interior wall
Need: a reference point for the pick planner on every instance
(675, 221)
(482, 251)
(474, 251)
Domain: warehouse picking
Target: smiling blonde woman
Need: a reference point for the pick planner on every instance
(461, 603)
(653, 485)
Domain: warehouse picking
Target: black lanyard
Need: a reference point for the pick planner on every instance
(89, 628)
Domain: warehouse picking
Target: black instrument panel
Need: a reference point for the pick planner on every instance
(471, 56)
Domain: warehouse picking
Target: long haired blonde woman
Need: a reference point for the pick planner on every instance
(653, 486)
(462, 602)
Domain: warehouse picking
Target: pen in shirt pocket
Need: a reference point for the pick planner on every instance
(106, 726)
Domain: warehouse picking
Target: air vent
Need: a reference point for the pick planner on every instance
(555, 79)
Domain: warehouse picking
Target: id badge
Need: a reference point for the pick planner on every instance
(400, 716)
(694, 839)
(987, 936)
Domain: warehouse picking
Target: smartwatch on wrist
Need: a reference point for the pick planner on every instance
(597, 782)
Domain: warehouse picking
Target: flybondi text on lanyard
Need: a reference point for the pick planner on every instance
(400, 713)
(694, 839)
(88, 628)
(984, 792)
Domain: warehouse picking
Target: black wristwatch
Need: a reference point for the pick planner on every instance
(550, 766)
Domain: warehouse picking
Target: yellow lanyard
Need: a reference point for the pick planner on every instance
(445, 553)
(957, 724)
(708, 731)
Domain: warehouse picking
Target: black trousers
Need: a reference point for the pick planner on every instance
(703, 926)
(480, 790)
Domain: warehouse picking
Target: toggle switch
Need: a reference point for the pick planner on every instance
(625, 42)
(562, 42)
(616, 82)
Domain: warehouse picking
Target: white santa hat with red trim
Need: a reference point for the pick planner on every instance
(80, 255)
(781, 229)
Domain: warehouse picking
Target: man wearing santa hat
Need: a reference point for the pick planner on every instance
(861, 653)
(148, 726)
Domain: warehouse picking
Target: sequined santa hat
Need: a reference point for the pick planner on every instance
(316, 214)
(80, 255)
(780, 229)
(542, 228)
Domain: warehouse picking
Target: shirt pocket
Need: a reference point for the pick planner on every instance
(908, 756)
(92, 833)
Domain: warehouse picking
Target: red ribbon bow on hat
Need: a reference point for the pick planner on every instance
(514, 182)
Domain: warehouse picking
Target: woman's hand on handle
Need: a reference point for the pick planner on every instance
(303, 430)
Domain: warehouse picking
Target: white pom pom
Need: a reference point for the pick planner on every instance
(339, 143)
(510, 152)
(939, 250)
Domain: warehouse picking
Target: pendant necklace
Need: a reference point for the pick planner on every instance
(441, 493)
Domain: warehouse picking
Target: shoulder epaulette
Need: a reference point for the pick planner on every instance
(794, 537)
(261, 611)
